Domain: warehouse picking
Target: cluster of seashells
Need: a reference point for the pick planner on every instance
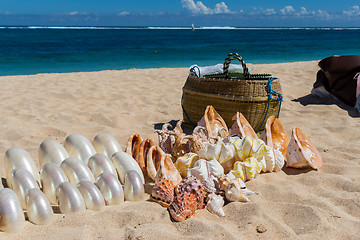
(75, 176)
(218, 160)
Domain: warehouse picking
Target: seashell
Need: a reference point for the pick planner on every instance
(79, 146)
(192, 185)
(51, 176)
(76, 170)
(163, 192)
(92, 196)
(17, 157)
(12, 217)
(133, 187)
(106, 144)
(111, 188)
(39, 210)
(214, 123)
(183, 206)
(275, 136)
(212, 185)
(133, 145)
(203, 169)
(22, 182)
(196, 140)
(234, 188)
(184, 163)
(170, 141)
(168, 170)
(247, 170)
(153, 159)
(215, 204)
(143, 151)
(301, 153)
(100, 163)
(241, 127)
(69, 198)
(123, 163)
(51, 150)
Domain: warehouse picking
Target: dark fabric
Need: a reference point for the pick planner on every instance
(337, 76)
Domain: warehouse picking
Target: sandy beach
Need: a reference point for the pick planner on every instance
(290, 204)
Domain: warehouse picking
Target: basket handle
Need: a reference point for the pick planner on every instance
(231, 57)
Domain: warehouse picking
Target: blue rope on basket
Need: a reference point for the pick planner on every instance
(193, 70)
(270, 97)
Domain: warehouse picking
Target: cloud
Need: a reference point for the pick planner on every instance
(287, 10)
(354, 11)
(73, 13)
(123, 13)
(200, 8)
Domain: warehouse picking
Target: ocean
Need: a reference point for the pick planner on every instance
(36, 49)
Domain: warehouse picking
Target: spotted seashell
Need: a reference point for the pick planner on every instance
(12, 215)
(215, 204)
(79, 146)
(183, 206)
(17, 157)
(106, 144)
(163, 192)
(100, 163)
(247, 169)
(38, 208)
(184, 163)
(203, 169)
(192, 185)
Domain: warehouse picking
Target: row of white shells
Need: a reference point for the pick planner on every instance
(74, 176)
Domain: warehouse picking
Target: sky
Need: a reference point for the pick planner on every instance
(235, 13)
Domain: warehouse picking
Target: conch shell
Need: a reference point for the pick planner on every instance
(301, 153)
(275, 136)
(143, 151)
(133, 145)
(184, 163)
(234, 188)
(214, 123)
(241, 127)
(168, 170)
(153, 159)
(215, 204)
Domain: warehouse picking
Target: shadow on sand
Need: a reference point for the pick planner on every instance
(186, 128)
(312, 100)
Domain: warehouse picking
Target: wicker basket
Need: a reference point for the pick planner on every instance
(256, 96)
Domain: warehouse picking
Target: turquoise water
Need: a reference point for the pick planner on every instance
(31, 50)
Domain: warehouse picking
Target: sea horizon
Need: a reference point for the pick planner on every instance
(57, 49)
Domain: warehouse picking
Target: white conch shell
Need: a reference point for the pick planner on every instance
(203, 169)
(247, 169)
(79, 146)
(106, 144)
(38, 208)
(76, 170)
(100, 163)
(12, 217)
(69, 198)
(215, 204)
(133, 187)
(301, 153)
(214, 123)
(184, 163)
(51, 150)
(22, 181)
(241, 127)
(234, 188)
(51, 176)
(17, 157)
(110, 188)
(153, 159)
(168, 170)
(123, 163)
(92, 196)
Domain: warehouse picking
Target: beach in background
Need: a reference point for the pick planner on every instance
(290, 204)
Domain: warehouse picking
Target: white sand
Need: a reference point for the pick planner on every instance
(292, 204)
